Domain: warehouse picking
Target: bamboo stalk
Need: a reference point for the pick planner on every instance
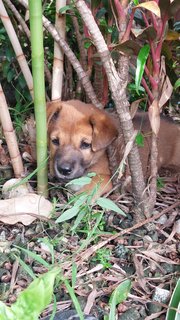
(10, 137)
(58, 63)
(17, 47)
(35, 10)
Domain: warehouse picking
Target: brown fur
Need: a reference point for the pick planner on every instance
(79, 135)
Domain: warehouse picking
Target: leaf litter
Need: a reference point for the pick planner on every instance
(117, 250)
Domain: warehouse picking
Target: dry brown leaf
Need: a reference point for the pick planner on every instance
(165, 86)
(140, 273)
(144, 34)
(156, 257)
(151, 6)
(134, 107)
(15, 188)
(166, 92)
(155, 315)
(154, 116)
(127, 150)
(24, 209)
(95, 269)
(90, 301)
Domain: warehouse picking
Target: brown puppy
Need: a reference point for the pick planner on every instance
(79, 135)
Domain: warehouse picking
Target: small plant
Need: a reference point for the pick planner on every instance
(103, 256)
(33, 300)
(83, 203)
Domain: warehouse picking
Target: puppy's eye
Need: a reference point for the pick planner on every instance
(55, 141)
(85, 145)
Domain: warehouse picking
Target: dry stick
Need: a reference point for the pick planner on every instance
(83, 77)
(27, 32)
(58, 63)
(118, 84)
(10, 137)
(17, 47)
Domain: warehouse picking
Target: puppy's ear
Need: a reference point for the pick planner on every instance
(53, 109)
(104, 131)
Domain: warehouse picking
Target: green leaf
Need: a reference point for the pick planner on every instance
(140, 139)
(91, 174)
(65, 8)
(141, 62)
(87, 44)
(10, 75)
(68, 214)
(177, 84)
(80, 181)
(79, 218)
(160, 183)
(81, 200)
(74, 299)
(6, 313)
(136, 2)
(174, 303)
(109, 205)
(33, 300)
(119, 295)
(26, 268)
(35, 256)
(101, 13)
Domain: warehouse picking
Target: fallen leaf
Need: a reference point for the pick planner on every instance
(24, 209)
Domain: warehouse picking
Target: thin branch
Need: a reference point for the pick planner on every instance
(145, 19)
(150, 95)
(119, 8)
(151, 79)
(128, 29)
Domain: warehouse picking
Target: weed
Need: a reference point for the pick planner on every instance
(103, 256)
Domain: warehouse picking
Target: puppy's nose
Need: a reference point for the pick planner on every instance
(65, 169)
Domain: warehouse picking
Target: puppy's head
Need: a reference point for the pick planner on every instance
(78, 135)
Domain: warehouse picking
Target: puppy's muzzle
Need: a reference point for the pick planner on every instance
(68, 164)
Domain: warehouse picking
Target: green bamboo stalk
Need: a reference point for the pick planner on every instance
(35, 10)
